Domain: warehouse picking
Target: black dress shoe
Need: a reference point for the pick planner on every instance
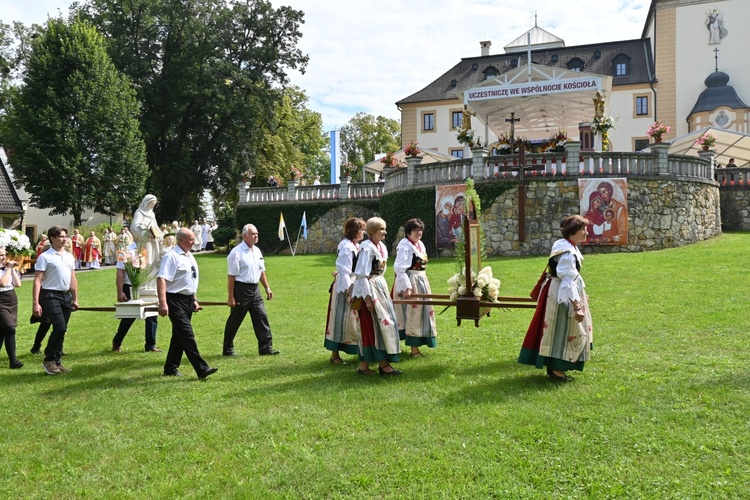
(551, 374)
(208, 372)
(392, 372)
(272, 352)
(229, 353)
(15, 364)
(35, 350)
(173, 374)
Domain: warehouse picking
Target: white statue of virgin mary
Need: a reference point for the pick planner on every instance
(145, 228)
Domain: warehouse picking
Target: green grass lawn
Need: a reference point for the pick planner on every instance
(661, 410)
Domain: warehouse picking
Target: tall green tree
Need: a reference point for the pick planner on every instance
(365, 135)
(206, 73)
(292, 136)
(73, 125)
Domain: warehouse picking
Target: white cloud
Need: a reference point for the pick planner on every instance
(367, 54)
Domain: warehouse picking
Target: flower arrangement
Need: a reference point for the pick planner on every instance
(706, 141)
(16, 243)
(602, 124)
(412, 149)
(556, 143)
(294, 173)
(466, 136)
(348, 169)
(389, 160)
(657, 129)
(484, 285)
(139, 271)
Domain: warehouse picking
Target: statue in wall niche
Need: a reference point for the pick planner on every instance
(715, 25)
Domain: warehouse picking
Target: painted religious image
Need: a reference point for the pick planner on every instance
(604, 202)
(715, 25)
(450, 206)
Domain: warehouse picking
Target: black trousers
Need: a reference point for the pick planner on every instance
(126, 323)
(57, 307)
(250, 302)
(183, 338)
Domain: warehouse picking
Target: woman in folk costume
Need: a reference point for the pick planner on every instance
(341, 322)
(10, 279)
(77, 245)
(560, 334)
(416, 324)
(378, 340)
(92, 251)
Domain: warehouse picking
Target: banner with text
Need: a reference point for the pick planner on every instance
(529, 89)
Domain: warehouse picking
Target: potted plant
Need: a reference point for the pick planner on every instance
(412, 149)
(294, 173)
(706, 141)
(348, 169)
(389, 160)
(656, 130)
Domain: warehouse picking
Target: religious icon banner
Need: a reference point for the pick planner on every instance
(604, 202)
(450, 205)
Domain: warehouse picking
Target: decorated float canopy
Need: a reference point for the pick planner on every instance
(544, 99)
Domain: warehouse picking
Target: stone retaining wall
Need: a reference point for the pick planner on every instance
(662, 213)
(735, 208)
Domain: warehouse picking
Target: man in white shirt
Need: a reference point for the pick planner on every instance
(246, 271)
(176, 287)
(55, 294)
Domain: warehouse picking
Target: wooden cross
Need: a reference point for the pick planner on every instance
(512, 120)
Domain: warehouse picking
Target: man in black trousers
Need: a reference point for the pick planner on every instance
(176, 287)
(246, 272)
(55, 294)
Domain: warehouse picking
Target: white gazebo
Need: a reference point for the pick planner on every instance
(542, 100)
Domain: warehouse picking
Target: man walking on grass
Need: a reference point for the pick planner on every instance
(246, 272)
(55, 294)
(176, 287)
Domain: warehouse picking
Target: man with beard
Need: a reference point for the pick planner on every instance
(443, 234)
(620, 221)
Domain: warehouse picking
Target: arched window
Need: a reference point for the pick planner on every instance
(575, 64)
(621, 65)
(490, 73)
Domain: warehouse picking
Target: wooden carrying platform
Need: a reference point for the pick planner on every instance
(469, 306)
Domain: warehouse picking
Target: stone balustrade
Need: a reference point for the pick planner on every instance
(572, 162)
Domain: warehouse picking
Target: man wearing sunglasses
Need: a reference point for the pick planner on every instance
(176, 287)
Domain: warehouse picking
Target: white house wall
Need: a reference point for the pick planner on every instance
(695, 57)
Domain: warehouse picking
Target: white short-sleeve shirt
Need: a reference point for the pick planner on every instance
(245, 263)
(57, 268)
(180, 271)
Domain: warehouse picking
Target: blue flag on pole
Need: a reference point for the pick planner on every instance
(304, 225)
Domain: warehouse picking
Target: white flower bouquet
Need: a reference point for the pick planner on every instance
(484, 285)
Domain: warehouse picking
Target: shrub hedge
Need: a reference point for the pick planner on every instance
(394, 207)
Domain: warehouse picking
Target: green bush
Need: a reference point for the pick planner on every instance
(266, 219)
